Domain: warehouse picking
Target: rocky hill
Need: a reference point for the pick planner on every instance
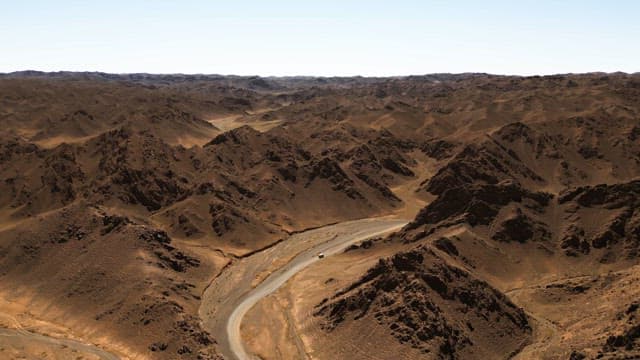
(122, 195)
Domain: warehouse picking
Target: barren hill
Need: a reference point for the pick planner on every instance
(122, 197)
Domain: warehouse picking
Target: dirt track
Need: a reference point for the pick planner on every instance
(79, 347)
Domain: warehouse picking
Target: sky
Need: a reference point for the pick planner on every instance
(321, 38)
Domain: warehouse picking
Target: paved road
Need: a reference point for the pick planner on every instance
(82, 348)
(233, 302)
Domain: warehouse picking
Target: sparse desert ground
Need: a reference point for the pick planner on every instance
(463, 216)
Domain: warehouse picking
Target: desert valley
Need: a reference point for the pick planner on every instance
(443, 216)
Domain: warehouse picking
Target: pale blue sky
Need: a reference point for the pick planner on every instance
(327, 37)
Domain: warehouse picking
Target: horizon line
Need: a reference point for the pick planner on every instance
(17, 72)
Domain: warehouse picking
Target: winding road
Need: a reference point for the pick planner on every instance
(233, 293)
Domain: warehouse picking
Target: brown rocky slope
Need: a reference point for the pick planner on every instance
(120, 198)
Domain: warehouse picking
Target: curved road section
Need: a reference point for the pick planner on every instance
(233, 293)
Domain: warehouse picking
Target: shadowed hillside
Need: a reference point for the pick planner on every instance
(123, 196)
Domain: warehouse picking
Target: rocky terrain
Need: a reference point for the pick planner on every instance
(122, 197)
(430, 305)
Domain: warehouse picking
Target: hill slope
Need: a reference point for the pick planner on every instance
(123, 196)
